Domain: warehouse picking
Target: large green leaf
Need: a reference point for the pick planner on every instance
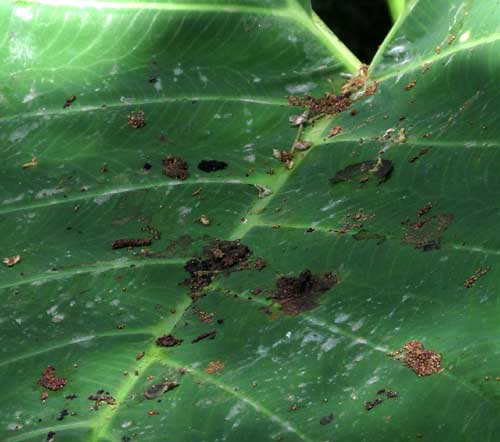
(222, 70)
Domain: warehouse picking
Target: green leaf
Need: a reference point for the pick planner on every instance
(212, 79)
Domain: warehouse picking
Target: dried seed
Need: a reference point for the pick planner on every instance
(335, 131)
(136, 120)
(32, 163)
(12, 261)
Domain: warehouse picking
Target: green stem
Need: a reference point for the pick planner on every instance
(396, 8)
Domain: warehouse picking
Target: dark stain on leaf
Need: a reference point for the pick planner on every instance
(175, 167)
(208, 335)
(218, 257)
(300, 293)
(50, 381)
(421, 153)
(369, 405)
(132, 242)
(69, 102)
(364, 171)
(168, 341)
(157, 390)
(364, 235)
(425, 232)
(325, 420)
(386, 392)
(211, 165)
(51, 436)
(62, 414)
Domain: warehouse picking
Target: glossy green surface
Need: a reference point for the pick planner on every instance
(223, 72)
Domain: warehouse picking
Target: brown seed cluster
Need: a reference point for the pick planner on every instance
(371, 88)
(214, 367)
(50, 381)
(175, 167)
(136, 120)
(422, 361)
(329, 104)
(480, 272)
(168, 341)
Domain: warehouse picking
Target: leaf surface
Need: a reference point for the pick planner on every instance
(212, 79)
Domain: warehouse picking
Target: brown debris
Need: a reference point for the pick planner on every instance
(153, 231)
(425, 232)
(101, 397)
(285, 157)
(175, 167)
(411, 85)
(168, 341)
(352, 222)
(371, 88)
(69, 102)
(329, 104)
(401, 136)
(423, 362)
(364, 171)
(357, 82)
(132, 242)
(12, 261)
(302, 145)
(480, 272)
(424, 210)
(204, 317)
(157, 390)
(334, 131)
(300, 293)
(218, 257)
(32, 163)
(140, 355)
(209, 335)
(204, 220)
(51, 436)
(44, 396)
(389, 393)
(298, 120)
(153, 413)
(50, 381)
(214, 367)
(372, 404)
(136, 120)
